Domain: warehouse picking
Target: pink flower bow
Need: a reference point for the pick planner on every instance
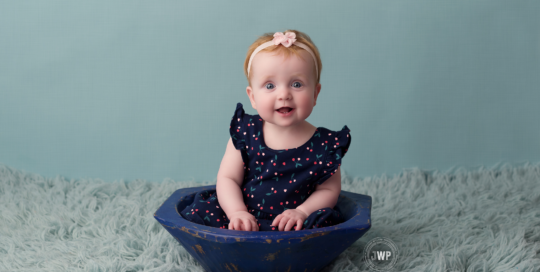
(286, 39)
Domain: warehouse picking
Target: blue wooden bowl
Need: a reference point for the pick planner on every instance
(231, 250)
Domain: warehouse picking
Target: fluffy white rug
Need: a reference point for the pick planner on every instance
(461, 220)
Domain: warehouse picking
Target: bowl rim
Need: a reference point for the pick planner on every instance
(171, 218)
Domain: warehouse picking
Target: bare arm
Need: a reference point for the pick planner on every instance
(229, 181)
(325, 195)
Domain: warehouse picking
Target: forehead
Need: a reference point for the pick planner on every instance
(269, 63)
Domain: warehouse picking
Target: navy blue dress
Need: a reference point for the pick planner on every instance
(276, 180)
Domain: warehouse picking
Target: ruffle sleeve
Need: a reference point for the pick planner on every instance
(237, 128)
(338, 144)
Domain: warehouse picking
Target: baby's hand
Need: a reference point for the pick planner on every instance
(243, 220)
(288, 218)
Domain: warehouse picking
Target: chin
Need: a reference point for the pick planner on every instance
(289, 123)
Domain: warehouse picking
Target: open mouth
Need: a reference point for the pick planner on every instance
(284, 110)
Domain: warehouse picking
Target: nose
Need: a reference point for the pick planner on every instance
(284, 94)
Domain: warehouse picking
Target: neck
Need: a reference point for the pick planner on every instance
(277, 138)
(290, 131)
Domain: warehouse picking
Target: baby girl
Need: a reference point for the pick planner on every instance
(279, 172)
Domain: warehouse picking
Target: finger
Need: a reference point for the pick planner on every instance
(276, 221)
(275, 225)
(282, 223)
(238, 224)
(290, 224)
(231, 225)
(241, 224)
(246, 224)
(251, 225)
(254, 226)
(299, 224)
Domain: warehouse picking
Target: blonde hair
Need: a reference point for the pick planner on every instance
(286, 51)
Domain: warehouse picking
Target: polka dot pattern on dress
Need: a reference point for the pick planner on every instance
(277, 180)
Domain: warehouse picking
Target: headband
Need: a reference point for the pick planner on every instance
(286, 40)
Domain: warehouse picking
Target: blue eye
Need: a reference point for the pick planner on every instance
(297, 84)
(269, 86)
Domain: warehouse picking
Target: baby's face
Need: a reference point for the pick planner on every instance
(279, 84)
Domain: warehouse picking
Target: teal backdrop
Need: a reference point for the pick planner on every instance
(146, 89)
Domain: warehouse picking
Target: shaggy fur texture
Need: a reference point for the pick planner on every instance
(461, 220)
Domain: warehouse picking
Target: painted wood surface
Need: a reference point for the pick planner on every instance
(230, 250)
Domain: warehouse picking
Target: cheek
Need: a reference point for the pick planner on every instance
(305, 105)
(266, 103)
(308, 100)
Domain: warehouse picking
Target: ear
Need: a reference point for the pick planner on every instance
(317, 91)
(251, 96)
